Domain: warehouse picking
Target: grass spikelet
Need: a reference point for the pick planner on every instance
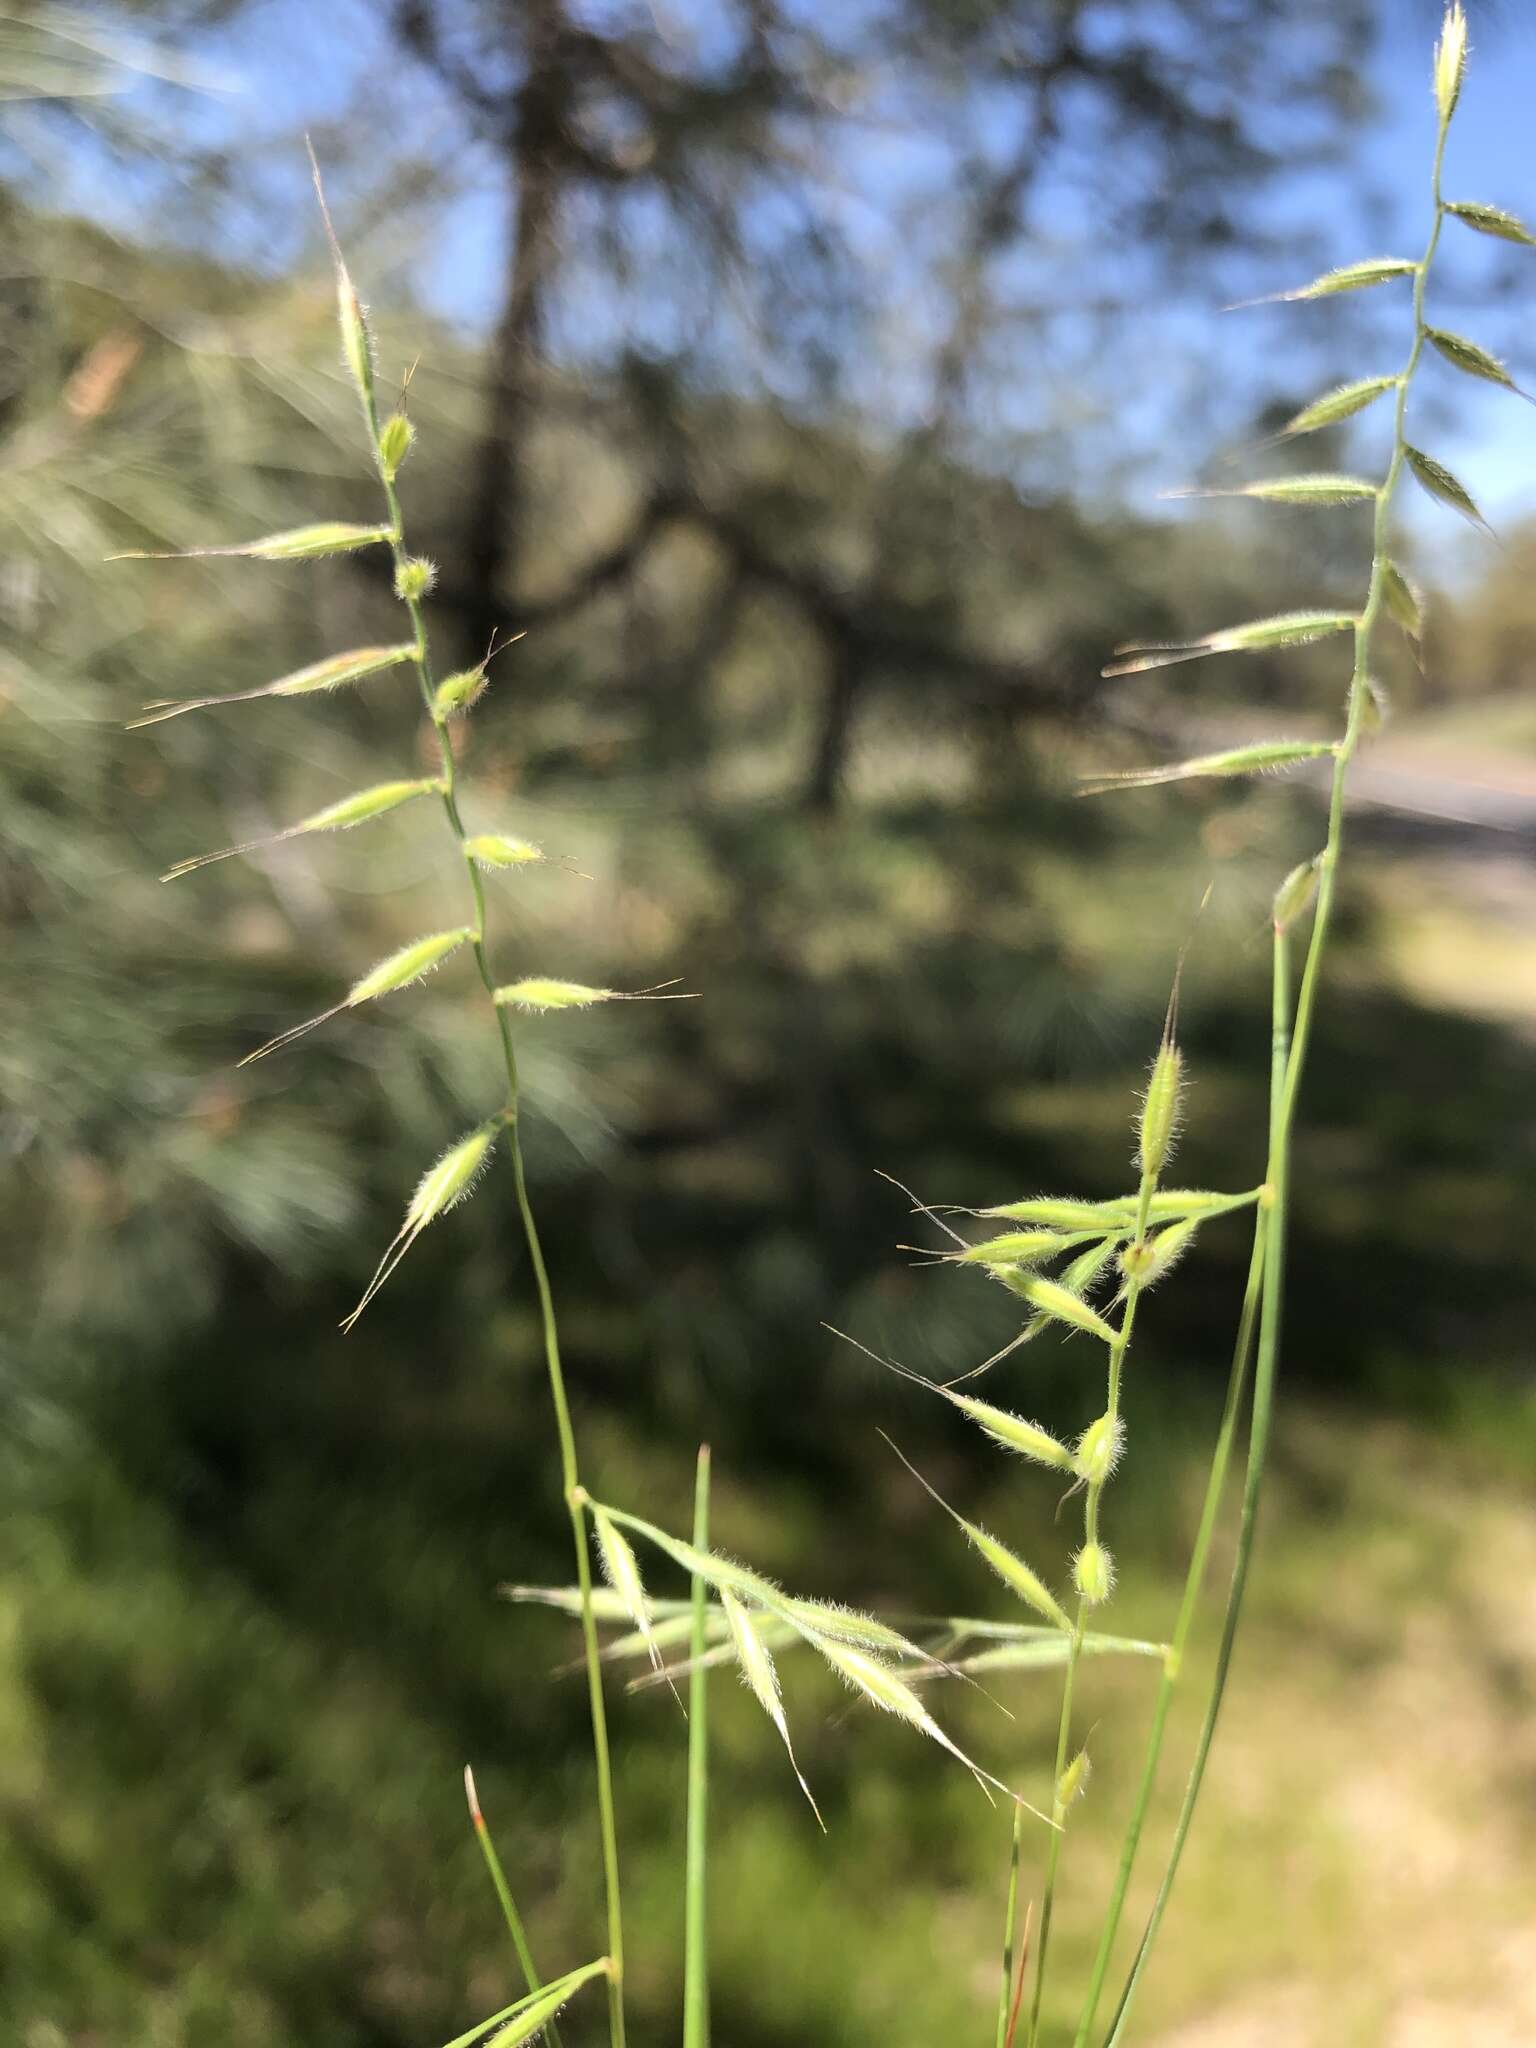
(1012, 1570)
(1266, 757)
(1342, 403)
(1438, 481)
(414, 577)
(1317, 489)
(1295, 894)
(329, 674)
(606, 1604)
(398, 970)
(1468, 356)
(410, 963)
(1349, 277)
(1099, 1449)
(456, 693)
(298, 543)
(1156, 1256)
(1402, 601)
(1012, 1432)
(503, 850)
(885, 1689)
(760, 1674)
(847, 1625)
(621, 1569)
(440, 1188)
(341, 816)
(1093, 1574)
(1073, 1782)
(1492, 220)
(1160, 1107)
(1285, 629)
(540, 994)
(395, 438)
(716, 1571)
(1058, 1213)
(1450, 61)
(1119, 1213)
(1058, 1301)
(1014, 1248)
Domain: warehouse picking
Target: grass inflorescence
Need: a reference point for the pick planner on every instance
(1081, 1265)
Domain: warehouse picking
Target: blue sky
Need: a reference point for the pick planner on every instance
(301, 60)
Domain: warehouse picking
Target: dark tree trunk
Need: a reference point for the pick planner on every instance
(497, 503)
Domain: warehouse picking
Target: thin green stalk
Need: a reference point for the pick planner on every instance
(569, 1470)
(1010, 1929)
(696, 1897)
(1237, 1380)
(1285, 1095)
(1215, 1489)
(503, 1890)
(1095, 1488)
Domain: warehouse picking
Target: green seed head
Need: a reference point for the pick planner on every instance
(1098, 1449)
(395, 438)
(451, 1179)
(1074, 1779)
(356, 342)
(1450, 61)
(1294, 896)
(1013, 1432)
(1160, 1109)
(1093, 1573)
(502, 850)
(1013, 1248)
(457, 692)
(1156, 1256)
(414, 578)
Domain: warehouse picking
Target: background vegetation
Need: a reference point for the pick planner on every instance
(800, 384)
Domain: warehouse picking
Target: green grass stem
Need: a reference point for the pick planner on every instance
(1287, 1070)
(569, 1469)
(696, 1898)
(508, 1904)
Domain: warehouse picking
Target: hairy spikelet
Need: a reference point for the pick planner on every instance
(1093, 1573)
(760, 1675)
(328, 674)
(440, 1189)
(1015, 1574)
(408, 964)
(621, 1568)
(340, 816)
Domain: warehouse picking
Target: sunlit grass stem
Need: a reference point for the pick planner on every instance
(569, 1469)
(696, 1886)
(1010, 1929)
(1284, 1102)
(508, 1904)
(1093, 1493)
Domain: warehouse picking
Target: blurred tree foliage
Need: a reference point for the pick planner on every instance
(797, 519)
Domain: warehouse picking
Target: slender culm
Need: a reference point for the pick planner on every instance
(1388, 595)
(696, 1881)
(388, 445)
